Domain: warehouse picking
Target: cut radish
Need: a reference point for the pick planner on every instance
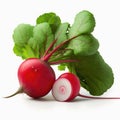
(66, 87)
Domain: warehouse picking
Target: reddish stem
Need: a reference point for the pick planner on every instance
(62, 61)
(47, 57)
(51, 45)
(92, 97)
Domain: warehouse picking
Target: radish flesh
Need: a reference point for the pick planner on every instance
(67, 87)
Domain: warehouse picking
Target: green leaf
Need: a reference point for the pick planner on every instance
(95, 75)
(29, 53)
(22, 34)
(84, 45)
(61, 33)
(51, 18)
(32, 41)
(42, 38)
(84, 23)
(24, 51)
(17, 50)
(61, 67)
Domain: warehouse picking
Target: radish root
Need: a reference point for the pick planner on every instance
(20, 90)
(92, 97)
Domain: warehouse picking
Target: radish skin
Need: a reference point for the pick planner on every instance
(36, 77)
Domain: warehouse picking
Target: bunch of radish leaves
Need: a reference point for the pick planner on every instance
(31, 41)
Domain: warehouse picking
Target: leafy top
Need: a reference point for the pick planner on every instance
(51, 18)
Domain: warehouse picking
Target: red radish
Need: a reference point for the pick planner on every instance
(67, 87)
(36, 77)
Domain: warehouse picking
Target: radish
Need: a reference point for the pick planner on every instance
(67, 87)
(36, 76)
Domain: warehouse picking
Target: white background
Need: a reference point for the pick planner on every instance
(107, 31)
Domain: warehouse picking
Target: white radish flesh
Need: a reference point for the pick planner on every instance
(61, 89)
(66, 87)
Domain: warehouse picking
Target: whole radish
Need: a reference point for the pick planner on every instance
(67, 87)
(36, 76)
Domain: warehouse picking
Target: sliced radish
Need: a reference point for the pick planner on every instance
(66, 87)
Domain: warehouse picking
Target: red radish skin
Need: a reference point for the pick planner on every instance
(66, 87)
(36, 77)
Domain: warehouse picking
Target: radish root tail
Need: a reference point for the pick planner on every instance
(92, 97)
(20, 90)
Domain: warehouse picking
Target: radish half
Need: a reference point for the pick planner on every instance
(66, 87)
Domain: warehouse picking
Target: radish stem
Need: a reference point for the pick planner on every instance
(47, 57)
(62, 61)
(91, 97)
(51, 45)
